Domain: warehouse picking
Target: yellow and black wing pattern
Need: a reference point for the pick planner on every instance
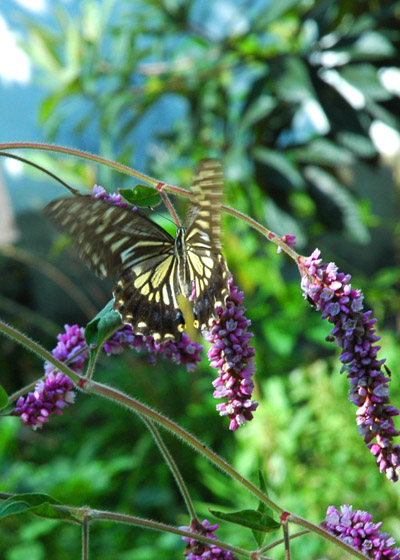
(207, 269)
(116, 241)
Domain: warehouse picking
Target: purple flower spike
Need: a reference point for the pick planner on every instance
(51, 395)
(232, 356)
(185, 352)
(70, 343)
(197, 550)
(56, 391)
(357, 529)
(112, 198)
(353, 331)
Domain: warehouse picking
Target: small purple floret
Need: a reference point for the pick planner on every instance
(353, 330)
(232, 356)
(357, 529)
(113, 198)
(197, 550)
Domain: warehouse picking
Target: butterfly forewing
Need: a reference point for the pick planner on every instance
(208, 272)
(114, 240)
(108, 238)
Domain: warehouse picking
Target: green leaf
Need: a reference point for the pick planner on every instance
(339, 195)
(281, 164)
(359, 144)
(364, 77)
(295, 85)
(141, 195)
(250, 518)
(323, 152)
(101, 328)
(262, 508)
(258, 110)
(274, 11)
(372, 44)
(38, 504)
(3, 398)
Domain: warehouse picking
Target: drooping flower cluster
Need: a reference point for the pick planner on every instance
(197, 550)
(357, 529)
(185, 352)
(231, 354)
(112, 198)
(330, 291)
(50, 396)
(56, 391)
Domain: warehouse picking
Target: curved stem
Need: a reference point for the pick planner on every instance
(37, 349)
(178, 431)
(39, 320)
(15, 396)
(168, 204)
(281, 541)
(154, 183)
(47, 269)
(172, 466)
(91, 515)
(81, 154)
(40, 168)
(136, 406)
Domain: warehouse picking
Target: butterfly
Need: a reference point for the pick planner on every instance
(152, 266)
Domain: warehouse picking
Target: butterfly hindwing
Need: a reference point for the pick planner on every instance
(146, 295)
(208, 272)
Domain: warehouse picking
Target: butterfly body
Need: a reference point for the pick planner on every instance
(153, 267)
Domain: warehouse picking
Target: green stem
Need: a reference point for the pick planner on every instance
(54, 274)
(18, 309)
(15, 396)
(154, 183)
(34, 347)
(149, 524)
(78, 153)
(281, 541)
(134, 405)
(40, 168)
(178, 431)
(85, 538)
(173, 467)
(100, 515)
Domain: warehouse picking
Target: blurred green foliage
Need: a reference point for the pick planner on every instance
(265, 89)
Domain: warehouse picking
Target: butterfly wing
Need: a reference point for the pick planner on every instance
(113, 240)
(208, 271)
